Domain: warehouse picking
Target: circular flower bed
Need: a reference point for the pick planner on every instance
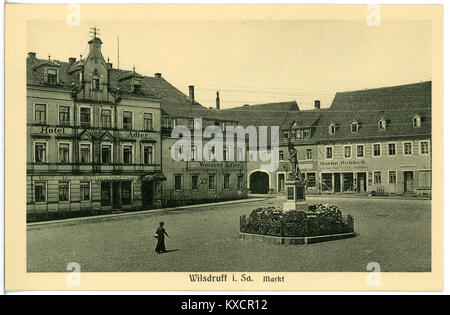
(321, 220)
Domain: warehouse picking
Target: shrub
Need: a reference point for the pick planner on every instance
(325, 219)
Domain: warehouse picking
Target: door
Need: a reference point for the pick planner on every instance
(409, 181)
(147, 194)
(337, 182)
(116, 195)
(280, 182)
(259, 183)
(362, 182)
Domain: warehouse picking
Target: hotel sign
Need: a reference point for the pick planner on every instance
(220, 165)
(50, 130)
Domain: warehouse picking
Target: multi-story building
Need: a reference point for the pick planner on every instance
(374, 141)
(93, 136)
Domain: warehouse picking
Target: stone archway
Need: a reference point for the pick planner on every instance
(259, 182)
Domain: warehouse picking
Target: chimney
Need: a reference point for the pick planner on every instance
(191, 94)
(217, 101)
(32, 55)
(158, 75)
(317, 104)
(109, 65)
(72, 60)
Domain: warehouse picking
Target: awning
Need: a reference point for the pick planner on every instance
(154, 177)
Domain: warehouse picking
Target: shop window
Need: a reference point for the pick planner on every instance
(391, 149)
(126, 193)
(407, 148)
(377, 150)
(178, 185)
(85, 191)
(64, 115)
(226, 181)
(63, 191)
(424, 179)
(311, 179)
(360, 151)
(63, 152)
(194, 182)
(106, 153)
(212, 182)
(148, 155)
(106, 118)
(377, 177)
(392, 177)
(40, 113)
(40, 192)
(85, 153)
(40, 152)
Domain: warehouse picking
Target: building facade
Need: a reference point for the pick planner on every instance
(93, 138)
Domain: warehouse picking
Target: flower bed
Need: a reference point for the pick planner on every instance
(321, 220)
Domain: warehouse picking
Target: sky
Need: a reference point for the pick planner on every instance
(253, 61)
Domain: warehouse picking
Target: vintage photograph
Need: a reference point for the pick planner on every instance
(234, 150)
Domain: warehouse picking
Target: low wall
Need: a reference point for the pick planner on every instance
(285, 240)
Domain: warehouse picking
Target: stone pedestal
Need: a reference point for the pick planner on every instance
(295, 195)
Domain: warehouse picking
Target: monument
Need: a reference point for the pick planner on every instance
(295, 184)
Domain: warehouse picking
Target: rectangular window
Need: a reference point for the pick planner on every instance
(377, 177)
(360, 151)
(285, 135)
(194, 153)
(281, 155)
(226, 181)
(52, 76)
(178, 152)
(329, 153)
(376, 150)
(309, 154)
(40, 114)
(40, 194)
(106, 153)
(63, 191)
(307, 133)
(194, 182)
(106, 118)
(178, 182)
(85, 191)
(424, 179)
(64, 115)
(127, 154)
(407, 148)
(85, 117)
(347, 151)
(212, 182)
(240, 154)
(391, 149)
(148, 121)
(63, 155)
(126, 193)
(127, 120)
(424, 148)
(85, 153)
(240, 181)
(40, 152)
(392, 177)
(148, 155)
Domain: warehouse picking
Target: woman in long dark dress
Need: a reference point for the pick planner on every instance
(160, 233)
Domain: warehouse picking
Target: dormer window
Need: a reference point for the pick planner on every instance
(332, 129)
(355, 127)
(52, 76)
(137, 87)
(382, 124)
(95, 82)
(417, 120)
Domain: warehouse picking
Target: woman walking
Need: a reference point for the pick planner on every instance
(160, 234)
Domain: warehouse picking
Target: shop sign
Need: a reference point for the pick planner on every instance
(343, 163)
(221, 165)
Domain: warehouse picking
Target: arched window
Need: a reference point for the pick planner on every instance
(382, 124)
(417, 120)
(355, 127)
(331, 129)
